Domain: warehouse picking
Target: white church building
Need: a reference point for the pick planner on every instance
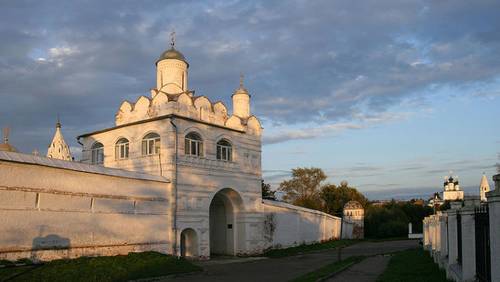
(178, 174)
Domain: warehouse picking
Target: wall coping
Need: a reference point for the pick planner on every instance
(297, 208)
(77, 166)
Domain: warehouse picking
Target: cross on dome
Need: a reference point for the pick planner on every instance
(172, 39)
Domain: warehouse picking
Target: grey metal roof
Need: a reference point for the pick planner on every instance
(77, 166)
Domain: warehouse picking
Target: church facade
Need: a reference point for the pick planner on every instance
(212, 158)
(191, 175)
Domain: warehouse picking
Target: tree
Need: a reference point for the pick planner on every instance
(303, 189)
(334, 198)
(391, 219)
(267, 193)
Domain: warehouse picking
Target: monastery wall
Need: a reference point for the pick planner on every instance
(53, 209)
(288, 225)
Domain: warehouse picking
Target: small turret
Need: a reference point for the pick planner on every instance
(58, 149)
(172, 71)
(241, 101)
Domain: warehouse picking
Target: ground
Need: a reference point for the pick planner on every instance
(383, 261)
(286, 268)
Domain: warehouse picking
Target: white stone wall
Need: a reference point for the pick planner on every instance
(441, 237)
(287, 225)
(43, 207)
(494, 213)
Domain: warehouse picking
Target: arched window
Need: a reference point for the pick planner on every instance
(121, 149)
(151, 144)
(97, 153)
(193, 144)
(224, 150)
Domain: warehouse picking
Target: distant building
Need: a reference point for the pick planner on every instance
(353, 221)
(435, 201)
(484, 187)
(452, 190)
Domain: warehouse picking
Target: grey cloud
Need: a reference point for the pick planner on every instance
(322, 62)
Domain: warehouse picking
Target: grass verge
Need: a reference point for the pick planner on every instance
(113, 268)
(328, 269)
(412, 265)
(278, 253)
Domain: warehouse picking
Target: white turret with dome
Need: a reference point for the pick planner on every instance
(484, 187)
(171, 71)
(241, 101)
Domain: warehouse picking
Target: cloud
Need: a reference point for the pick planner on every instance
(311, 132)
(320, 63)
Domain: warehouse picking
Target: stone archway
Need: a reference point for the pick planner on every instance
(189, 243)
(227, 232)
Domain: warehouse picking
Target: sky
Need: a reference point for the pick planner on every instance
(388, 95)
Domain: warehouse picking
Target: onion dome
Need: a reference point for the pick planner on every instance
(241, 89)
(353, 205)
(172, 54)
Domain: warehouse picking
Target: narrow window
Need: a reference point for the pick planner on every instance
(151, 144)
(122, 149)
(97, 152)
(193, 145)
(224, 150)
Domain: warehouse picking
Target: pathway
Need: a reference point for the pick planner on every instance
(287, 268)
(368, 270)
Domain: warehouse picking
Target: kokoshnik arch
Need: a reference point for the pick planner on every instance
(208, 161)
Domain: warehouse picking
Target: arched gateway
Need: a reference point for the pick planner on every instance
(227, 232)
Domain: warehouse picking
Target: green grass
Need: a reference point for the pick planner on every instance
(412, 265)
(328, 269)
(113, 268)
(278, 253)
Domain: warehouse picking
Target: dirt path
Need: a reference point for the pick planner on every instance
(285, 269)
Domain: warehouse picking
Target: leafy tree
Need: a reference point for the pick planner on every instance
(303, 189)
(391, 219)
(267, 193)
(334, 198)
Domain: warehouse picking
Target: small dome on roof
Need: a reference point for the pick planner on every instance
(172, 54)
(353, 205)
(6, 147)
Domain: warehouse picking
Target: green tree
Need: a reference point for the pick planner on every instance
(267, 193)
(391, 219)
(334, 198)
(303, 189)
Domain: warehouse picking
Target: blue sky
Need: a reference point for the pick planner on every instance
(389, 95)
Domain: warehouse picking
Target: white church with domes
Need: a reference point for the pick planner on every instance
(177, 174)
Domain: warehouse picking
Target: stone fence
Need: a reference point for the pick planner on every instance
(465, 240)
(52, 209)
